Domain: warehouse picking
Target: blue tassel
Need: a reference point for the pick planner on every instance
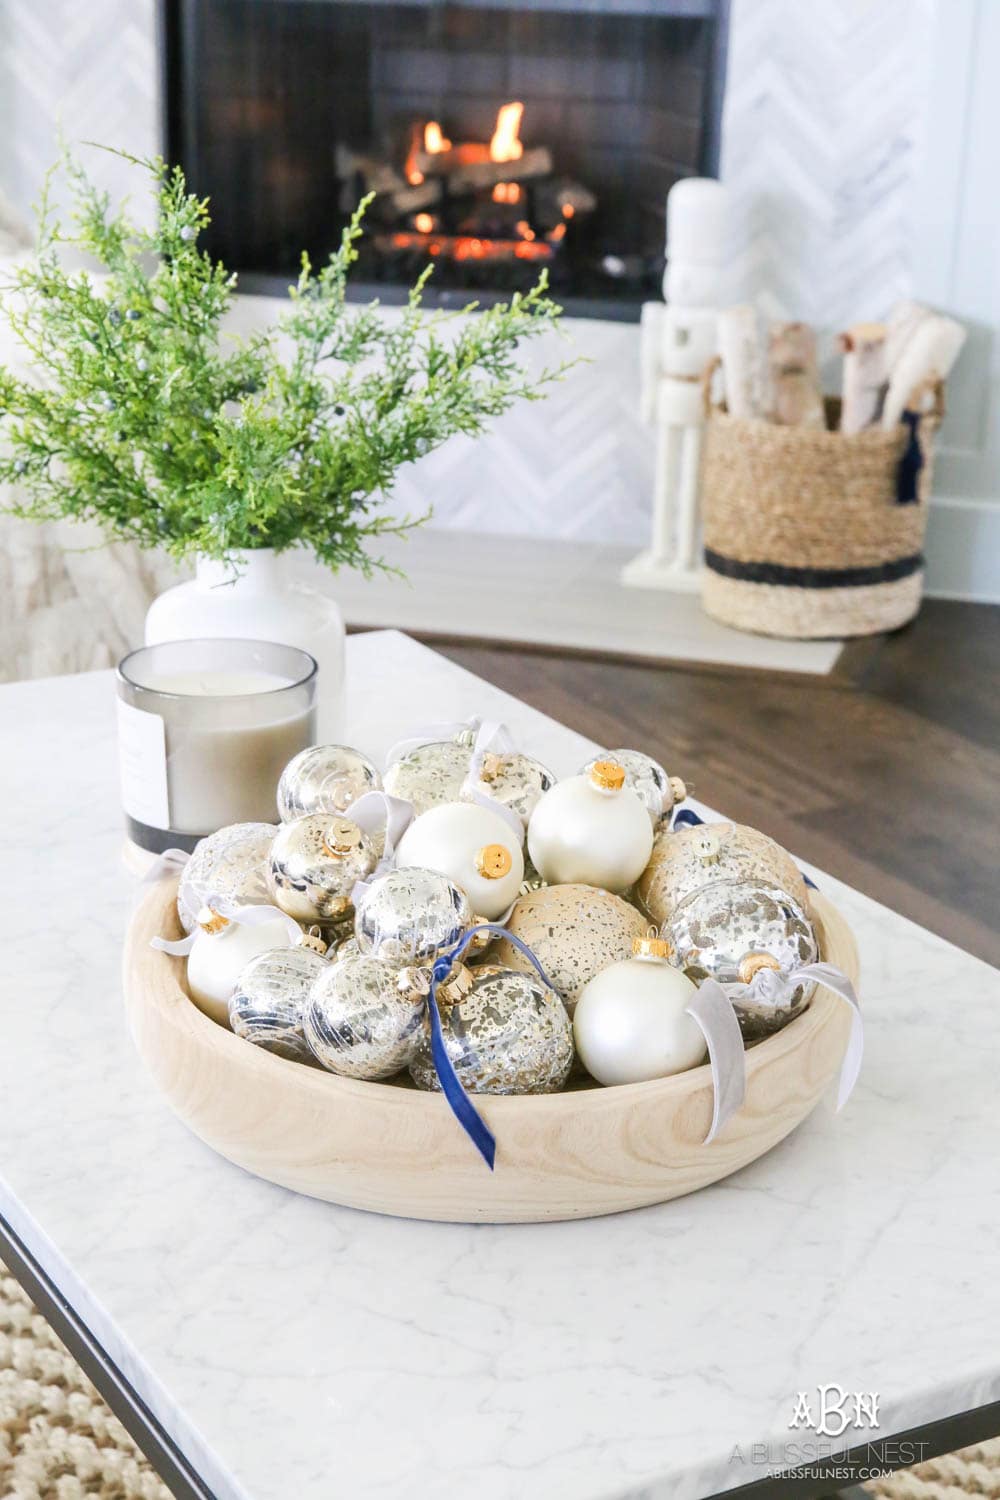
(911, 461)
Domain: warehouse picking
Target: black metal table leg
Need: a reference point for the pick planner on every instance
(130, 1409)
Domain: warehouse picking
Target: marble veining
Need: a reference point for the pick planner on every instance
(294, 1349)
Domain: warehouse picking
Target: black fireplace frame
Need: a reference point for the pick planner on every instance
(179, 141)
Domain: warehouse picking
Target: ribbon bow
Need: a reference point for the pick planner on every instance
(239, 916)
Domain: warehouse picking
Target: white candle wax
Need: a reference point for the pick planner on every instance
(204, 747)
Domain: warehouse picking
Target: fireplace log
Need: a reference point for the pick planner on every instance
(379, 176)
(442, 163)
(534, 163)
(409, 199)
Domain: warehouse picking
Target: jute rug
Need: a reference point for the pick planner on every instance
(970, 1471)
(58, 1440)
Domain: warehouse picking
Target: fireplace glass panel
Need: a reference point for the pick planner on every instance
(285, 111)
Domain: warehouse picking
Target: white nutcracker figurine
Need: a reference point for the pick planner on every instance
(678, 338)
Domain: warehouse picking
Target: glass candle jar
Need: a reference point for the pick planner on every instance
(205, 729)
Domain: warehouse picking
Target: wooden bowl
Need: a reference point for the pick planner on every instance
(390, 1148)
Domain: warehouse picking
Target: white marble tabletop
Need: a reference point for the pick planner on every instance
(298, 1351)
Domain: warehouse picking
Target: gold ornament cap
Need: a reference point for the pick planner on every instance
(491, 767)
(752, 963)
(677, 789)
(312, 939)
(211, 921)
(651, 947)
(493, 861)
(608, 775)
(341, 838)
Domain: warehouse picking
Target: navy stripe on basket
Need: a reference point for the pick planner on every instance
(813, 578)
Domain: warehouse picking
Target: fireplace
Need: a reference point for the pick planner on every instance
(497, 137)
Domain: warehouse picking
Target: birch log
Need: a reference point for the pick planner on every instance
(740, 353)
(865, 375)
(796, 397)
(928, 356)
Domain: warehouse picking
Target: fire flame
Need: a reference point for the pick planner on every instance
(434, 141)
(506, 145)
(412, 172)
(507, 192)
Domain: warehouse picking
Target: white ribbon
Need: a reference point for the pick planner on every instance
(495, 738)
(713, 1011)
(774, 988)
(240, 916)
(375, 812)
(430, 734)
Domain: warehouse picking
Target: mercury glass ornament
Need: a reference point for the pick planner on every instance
(684, 860)
(574, 931)
(365, 1017)
(474, 846)
(631, 1022)
(269, 1000)
(647, 779)
(410, 916)
(730, 930)
(507, 1034)
(431, 774)
(325, 779)
(314, 865)
(516, 781)
(592, 830)
(230, 863)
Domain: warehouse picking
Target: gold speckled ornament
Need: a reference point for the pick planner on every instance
(514, 780)
(431, 774)
(574, 931)
(508, 1033)
(688, 858)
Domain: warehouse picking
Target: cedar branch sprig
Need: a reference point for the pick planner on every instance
(140, 412)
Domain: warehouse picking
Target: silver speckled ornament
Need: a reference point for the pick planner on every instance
(508, 1034)
(409, 916)
(574, 931)
(363, 1020)
(269, 1000)
(231, 863)
(730, 929)
(314, 865)
(514, 780)
(684, 860)
(431, 774)
(647, 778)
(325, 779)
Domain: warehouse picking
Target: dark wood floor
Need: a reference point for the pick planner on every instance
(886, 772)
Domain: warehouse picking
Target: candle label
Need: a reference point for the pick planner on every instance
(142, 750)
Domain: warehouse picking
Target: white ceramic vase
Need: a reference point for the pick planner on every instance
(256, 598)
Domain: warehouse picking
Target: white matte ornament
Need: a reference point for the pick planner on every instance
(631, 1022)
(591, 830)
(474, 846)
(217, 960)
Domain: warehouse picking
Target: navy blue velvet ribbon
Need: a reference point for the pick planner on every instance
(461, 1105)
(685, 818)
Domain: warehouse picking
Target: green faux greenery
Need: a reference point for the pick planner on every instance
(147, 419)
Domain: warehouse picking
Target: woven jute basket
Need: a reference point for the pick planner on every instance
(813, 533)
